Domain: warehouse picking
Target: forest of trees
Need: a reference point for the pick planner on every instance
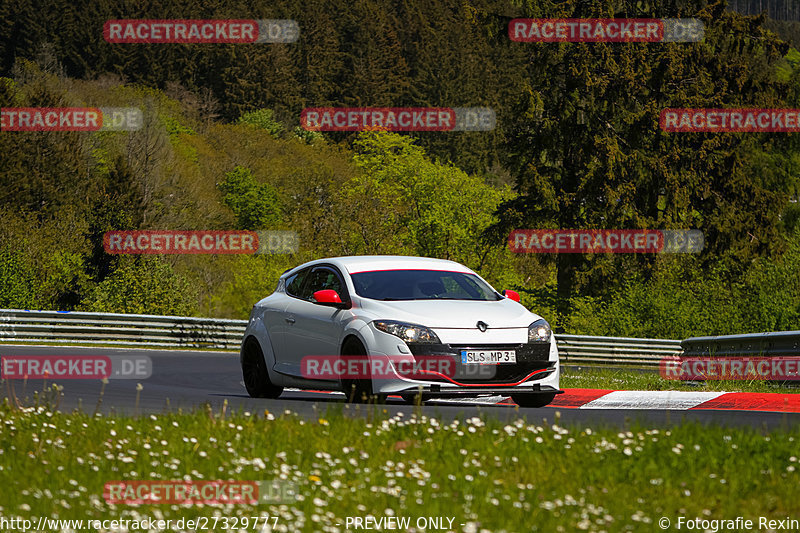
(577, 145)
(774, 9)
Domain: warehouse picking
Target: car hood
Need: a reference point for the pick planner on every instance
(455, 314)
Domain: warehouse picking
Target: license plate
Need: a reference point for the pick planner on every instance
(488, 357)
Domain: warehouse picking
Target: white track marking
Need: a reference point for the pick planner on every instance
(489, 400)
(679, 400)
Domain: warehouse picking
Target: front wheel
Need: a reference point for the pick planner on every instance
(359, 389)
(254, 373)
(532, 400)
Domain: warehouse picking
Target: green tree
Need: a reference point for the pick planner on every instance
(256, 205)
(587, 150)
(405, 203)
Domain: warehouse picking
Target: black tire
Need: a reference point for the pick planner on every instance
(532, 400)
(254, 372)
(359, 390)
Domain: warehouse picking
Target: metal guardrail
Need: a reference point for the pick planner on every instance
(780, 343)
(115, 329)
(623, 351)
(155, 331)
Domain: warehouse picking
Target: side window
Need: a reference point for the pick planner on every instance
(320, 279)
(295, 282)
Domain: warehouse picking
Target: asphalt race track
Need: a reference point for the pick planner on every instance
(189, 379)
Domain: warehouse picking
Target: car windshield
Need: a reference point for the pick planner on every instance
(390, 285)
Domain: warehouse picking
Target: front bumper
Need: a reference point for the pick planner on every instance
(435, 391)
(533, 362)
(536, 371)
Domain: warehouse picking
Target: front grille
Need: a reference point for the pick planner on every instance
(530, 357)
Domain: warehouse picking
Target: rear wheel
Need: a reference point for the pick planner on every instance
(359, 390)
(533, 400)
(254, 372)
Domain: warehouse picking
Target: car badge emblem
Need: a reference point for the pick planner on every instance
(482, 325)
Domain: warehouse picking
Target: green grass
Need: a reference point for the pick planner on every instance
(488, 475)
(600, 378)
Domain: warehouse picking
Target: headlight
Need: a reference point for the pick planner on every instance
(539, 331)
(410, 333)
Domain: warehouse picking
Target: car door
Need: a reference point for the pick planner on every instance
(314, 330)
(277, 321)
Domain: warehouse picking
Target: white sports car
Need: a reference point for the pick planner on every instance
(377, 325)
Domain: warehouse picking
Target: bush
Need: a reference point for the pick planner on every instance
(681, 300)
(17, 281)
(143, 285)
(253, 277)
(264, 119)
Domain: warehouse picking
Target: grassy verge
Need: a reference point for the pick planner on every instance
(600, 378)
(487, 475)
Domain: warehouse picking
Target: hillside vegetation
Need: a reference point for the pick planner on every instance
(577, 145)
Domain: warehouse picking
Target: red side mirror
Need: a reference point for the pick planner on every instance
(512, 295)
(327, 296)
